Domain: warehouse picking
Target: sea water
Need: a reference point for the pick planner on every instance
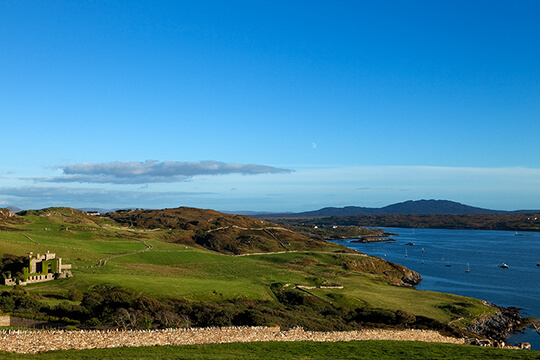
(443, 256)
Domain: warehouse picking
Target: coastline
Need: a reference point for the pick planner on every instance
(442, 266)
(507, 321)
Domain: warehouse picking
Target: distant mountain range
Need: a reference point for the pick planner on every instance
(14, 209)
(411, 207)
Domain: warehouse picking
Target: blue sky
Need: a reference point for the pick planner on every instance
(269, 105)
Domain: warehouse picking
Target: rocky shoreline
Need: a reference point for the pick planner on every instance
(497, 327)
(384, 237)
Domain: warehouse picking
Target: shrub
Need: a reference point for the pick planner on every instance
(74, 295)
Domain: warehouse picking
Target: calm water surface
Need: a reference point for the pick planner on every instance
(448, 253)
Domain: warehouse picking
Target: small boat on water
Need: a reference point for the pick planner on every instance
(538, 263)
(448, 264)
(468, 269)
(503, 265)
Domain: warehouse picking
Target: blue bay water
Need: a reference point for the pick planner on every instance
(448, 253)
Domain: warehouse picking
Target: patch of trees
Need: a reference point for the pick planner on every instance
(20, 302)
(13, 265)
(106, 306)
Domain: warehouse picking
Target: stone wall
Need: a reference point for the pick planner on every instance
(5, 320)
(38, 341)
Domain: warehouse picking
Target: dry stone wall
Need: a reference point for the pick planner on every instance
(20, 341)
(5, 320)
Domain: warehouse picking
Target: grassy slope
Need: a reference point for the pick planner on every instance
(297, 350)
(171, 270)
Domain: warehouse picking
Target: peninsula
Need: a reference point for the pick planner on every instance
(156, 269)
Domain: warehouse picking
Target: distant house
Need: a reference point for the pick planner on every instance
(40, 268)
(93, 212)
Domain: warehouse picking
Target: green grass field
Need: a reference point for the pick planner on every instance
(294, 350)
(147, 264)
(141, 261)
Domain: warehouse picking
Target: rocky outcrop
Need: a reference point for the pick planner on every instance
(5, 213)
(411, 277)
(498, 326)
(396, 274)
(372, 239)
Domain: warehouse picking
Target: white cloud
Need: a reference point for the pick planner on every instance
(305, 189)
(153, 171)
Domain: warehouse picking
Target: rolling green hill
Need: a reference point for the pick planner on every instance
(224, 233)
(179, 267)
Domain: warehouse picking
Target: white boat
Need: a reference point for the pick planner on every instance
(468, 269)
(503, 265)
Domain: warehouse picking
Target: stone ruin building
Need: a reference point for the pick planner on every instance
(40, 268)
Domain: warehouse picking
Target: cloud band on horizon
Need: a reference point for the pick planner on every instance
(306, 189)
(153, 171)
